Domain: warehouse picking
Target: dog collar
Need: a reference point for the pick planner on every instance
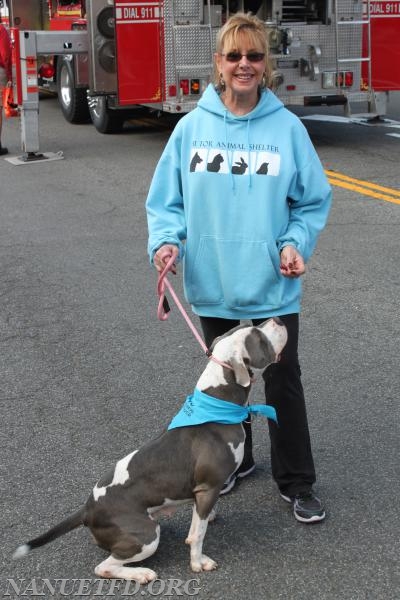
(200, 408)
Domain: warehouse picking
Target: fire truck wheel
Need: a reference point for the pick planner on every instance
(104, 119)
(73, 101)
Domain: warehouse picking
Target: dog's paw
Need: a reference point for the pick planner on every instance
(204, 564)
(139, 574)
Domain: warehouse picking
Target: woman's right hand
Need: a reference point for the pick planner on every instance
(163, 255)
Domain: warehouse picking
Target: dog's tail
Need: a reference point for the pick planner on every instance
(72, 522)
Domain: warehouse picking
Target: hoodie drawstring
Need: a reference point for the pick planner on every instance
(228, 153)
(248, 153)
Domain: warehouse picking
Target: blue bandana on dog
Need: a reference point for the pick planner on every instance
(201, 408)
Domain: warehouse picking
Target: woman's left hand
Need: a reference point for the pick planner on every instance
(292, 263)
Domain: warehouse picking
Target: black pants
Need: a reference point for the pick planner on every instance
(291, 456)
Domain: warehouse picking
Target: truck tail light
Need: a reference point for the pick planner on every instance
(341, 79)
(195, 86)
(184, 85)
(345, 79)
(348, 79)
(46, 71)
(188, 87)
(328, 80)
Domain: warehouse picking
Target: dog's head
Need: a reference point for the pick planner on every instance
(245, 348)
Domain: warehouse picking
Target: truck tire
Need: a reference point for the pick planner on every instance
(73, 101)
(104, 119)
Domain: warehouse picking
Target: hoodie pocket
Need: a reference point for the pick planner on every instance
(237, 273)
(203, 283)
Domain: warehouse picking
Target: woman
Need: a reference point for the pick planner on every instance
(240, 196)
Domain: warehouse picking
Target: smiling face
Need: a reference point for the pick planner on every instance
(242, 77)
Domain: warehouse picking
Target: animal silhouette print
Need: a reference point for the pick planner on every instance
(196, 160)
(263, 169)
(239, 168)
(215, 165)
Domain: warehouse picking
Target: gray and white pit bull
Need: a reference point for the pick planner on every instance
(187, 464)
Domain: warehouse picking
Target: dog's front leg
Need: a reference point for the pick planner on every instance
(198, 560)
(211, 518)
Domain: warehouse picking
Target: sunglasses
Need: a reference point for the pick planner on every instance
(253, 57)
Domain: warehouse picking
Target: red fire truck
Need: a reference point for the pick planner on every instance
(157, 54)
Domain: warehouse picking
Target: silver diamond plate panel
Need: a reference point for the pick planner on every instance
(192, 46)
(189, 48)
(187, 11)
(188, 52)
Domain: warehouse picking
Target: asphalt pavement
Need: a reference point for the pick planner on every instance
(88, 373)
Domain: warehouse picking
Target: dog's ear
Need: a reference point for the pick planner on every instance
(259, 348)
(242, 375)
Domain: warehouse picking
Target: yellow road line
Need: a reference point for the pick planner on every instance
(367, 184)
(363, 187)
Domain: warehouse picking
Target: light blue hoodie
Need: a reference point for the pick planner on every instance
(232, 191)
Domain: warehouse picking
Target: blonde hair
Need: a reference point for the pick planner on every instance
(228, 38)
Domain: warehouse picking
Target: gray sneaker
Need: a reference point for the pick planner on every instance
(307, 508)
(246, 468)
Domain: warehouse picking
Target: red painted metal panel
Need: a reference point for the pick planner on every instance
(62, 16)
(385, 45)
(139, 49)
(62, 23)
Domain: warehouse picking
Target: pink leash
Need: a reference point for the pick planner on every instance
(163, 310)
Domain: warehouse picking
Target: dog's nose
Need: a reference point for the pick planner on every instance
(277, 321)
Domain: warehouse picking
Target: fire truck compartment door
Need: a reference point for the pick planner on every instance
(385, 45)
(139, 49)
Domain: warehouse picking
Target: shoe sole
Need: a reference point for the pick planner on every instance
(232, 482)
(314, 519)
(245, 473)
(228, 488)
(286, 498)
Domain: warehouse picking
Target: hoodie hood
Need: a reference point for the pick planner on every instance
(267, 104)
(212, 103)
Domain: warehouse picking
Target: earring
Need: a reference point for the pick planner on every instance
(263, 84)
(221, 82)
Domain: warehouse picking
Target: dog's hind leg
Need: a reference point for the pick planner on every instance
(114, 568)
(129, 550)
(202, 510)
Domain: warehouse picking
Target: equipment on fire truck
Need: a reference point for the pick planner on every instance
(103, 67)
(27, 45)
(157, 55)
